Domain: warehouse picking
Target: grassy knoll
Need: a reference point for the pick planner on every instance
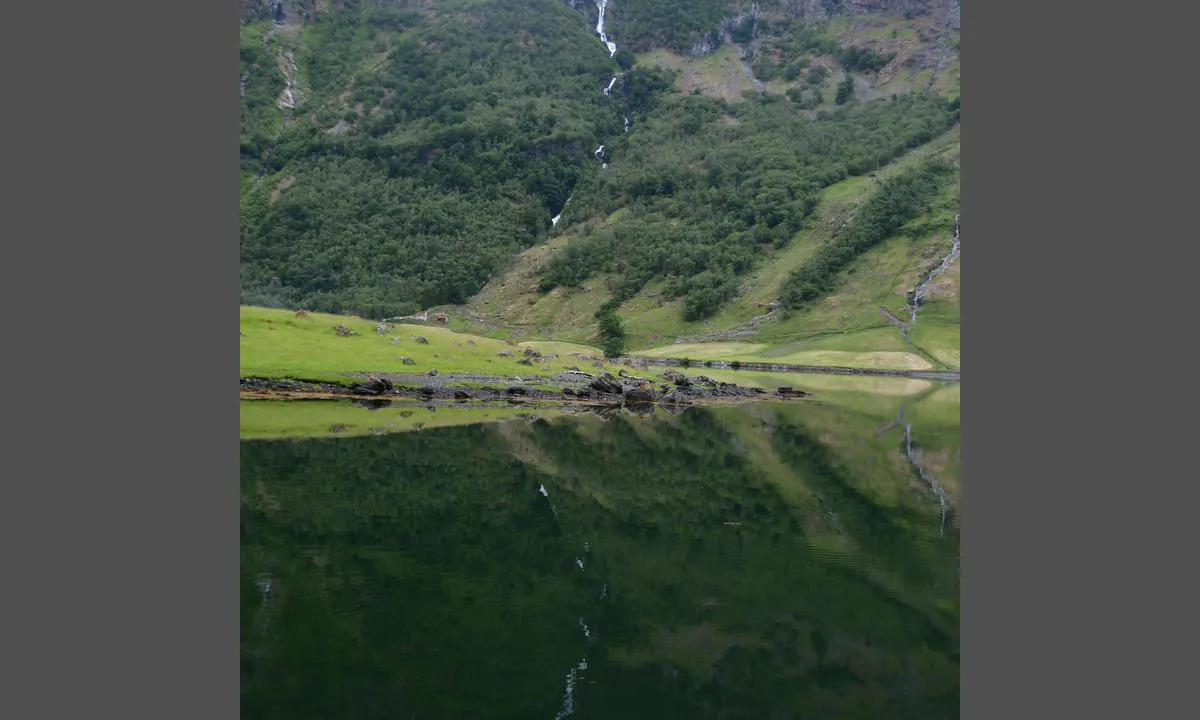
(875, 348)
(277, 344)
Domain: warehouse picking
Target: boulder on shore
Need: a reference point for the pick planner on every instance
(606, 384)
(373, 386)
(639, 396)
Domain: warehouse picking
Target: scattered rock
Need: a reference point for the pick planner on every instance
(525, 361)
(532, 353)
(302, 313)
(373, 386)
(790, 392)
(639, 396)
(504, 354)
(569, 392)
(338, 427)
(679, 379)
(517, 391)
(427, 391)
(382, 329)
(343, 331)
(408, 360)
(462, 395)
(433, 372)
(606, 384)
(420, 339)
(395, 340)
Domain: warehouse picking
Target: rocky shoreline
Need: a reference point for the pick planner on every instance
(624, 389)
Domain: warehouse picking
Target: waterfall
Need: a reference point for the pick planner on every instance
(602, 5)
(554, 220)
(919, 291)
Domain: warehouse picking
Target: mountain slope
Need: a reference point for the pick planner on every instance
(399, 155)
(847, 319)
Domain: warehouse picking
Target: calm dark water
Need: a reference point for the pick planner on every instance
(773, 561)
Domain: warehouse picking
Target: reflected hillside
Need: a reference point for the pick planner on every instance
(737, 562)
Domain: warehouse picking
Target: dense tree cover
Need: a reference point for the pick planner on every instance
(475, 124)
(674, 24)
(261, 85)
(425, 575)
(845, 90)
(707, 188)
(434, 145)
(898, 200)
(612, 330)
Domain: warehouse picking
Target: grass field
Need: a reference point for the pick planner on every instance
(854, 350)
(277, 344)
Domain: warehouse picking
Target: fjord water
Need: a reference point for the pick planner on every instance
(780, 560)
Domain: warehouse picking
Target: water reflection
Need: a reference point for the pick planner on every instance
(757, 561)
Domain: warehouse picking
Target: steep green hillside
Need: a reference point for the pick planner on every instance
(398, 155)
(846, 326)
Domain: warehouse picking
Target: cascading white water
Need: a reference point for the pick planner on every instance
(626, 119)
(919, 291)
(554, 220)
(602, 5)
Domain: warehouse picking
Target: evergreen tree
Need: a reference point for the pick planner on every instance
(845, 90)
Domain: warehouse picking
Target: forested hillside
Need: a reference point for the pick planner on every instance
(397, 154)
